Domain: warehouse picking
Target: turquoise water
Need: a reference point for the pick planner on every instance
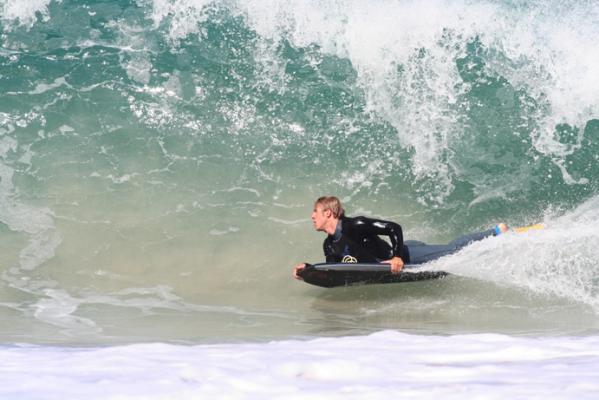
(159, 161)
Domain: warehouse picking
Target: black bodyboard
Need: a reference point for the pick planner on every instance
(347, 274)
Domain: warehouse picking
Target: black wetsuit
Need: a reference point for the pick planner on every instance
(357, 240)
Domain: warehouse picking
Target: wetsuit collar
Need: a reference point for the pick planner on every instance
(338, 231)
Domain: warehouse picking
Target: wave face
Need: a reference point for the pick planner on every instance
(159, 160)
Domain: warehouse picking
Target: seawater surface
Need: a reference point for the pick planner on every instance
(159, 160)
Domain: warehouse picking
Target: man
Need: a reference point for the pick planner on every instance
(358, 239)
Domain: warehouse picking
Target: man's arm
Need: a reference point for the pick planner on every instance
(296, 271)
(329, 253)
(371, 226)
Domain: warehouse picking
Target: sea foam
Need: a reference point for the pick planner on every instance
(384, 365)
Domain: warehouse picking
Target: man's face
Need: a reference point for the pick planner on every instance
(319, 217)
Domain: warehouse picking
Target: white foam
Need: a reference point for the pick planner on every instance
(7, 144)
(58, 308)
(24, 12)
(220, 232)
(44, 87)
(122, 179)
(185, 15)
(380, 366)
(138, 69)
(558, 260)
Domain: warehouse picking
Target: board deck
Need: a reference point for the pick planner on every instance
(347, 274)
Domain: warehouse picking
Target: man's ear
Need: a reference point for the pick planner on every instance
(328, 213)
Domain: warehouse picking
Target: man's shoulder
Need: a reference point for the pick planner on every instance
(355, 220)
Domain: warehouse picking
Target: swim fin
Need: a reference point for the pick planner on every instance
(523, 229)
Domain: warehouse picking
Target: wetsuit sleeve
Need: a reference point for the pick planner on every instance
(370, 226)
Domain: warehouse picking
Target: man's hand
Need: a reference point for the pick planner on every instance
(296, 270)
(396, 264)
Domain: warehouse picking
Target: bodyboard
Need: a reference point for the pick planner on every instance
(348, 274)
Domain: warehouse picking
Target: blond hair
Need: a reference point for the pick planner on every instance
(331, 203)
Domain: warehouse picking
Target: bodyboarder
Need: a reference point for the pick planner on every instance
(357, 239)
